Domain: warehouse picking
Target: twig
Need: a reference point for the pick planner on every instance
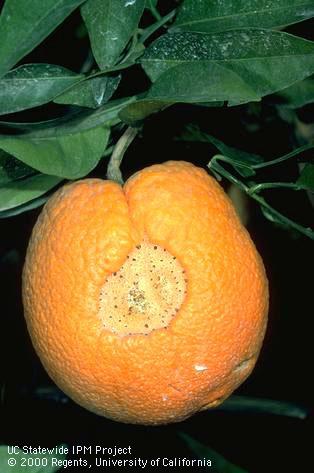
(290, 155)
(219, 171)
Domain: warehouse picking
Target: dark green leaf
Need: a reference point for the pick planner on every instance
(110, 24)
(306, 179)
(213, 15)
(25, 24)
(19, 192)
(266, 60)
(201, 82)
(32, 204)
(299, 94)
(218, 463)
(262, 406)
(76, 121)
(242, 161)
(6, 468)
(11, 169)
(32, 85)
(68, 147)
(90, 93)
(69, 155)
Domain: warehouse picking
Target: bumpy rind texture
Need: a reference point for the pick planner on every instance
(85, 233)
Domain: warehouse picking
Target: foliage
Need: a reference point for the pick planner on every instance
(210, 53)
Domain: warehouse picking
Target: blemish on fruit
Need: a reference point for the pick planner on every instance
(147, 288)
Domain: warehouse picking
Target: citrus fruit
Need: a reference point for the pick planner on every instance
(145, 303)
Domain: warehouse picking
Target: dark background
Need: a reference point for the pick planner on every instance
(34, 412)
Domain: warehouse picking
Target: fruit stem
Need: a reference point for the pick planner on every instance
(113, 169)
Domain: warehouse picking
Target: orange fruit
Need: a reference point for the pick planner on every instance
(145, 303)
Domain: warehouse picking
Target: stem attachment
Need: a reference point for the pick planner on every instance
(113, 169)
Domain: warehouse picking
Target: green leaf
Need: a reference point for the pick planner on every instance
(242, 161)
(19, 192)
(32, 85)
(201, 82)
(267, 61)
(77, 121)
(30, 460)
(11, 169)
(218, 463)
(299, 94)
(32, 204)
(70, 155)
(90, 93)
(67, 147)
(306, 179)
(110, 24)
(213, 15)
(25, 24)
(262, 406)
